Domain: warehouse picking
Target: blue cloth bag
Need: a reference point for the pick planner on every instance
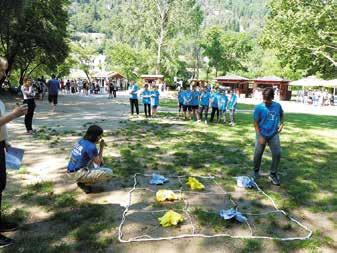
(232, 214)
(158, 179)
(245, 182)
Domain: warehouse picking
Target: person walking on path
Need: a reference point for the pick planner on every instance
(28, 98)
(53, 89)
(4, 119)
(133, 91)
(268, 123)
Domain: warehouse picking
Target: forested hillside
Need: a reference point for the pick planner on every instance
(236, 15)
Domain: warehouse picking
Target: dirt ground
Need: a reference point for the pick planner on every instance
(76, 113)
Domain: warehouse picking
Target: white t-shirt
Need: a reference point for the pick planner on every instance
(28, 92)
(3, 129)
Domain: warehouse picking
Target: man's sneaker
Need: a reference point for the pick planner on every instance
(274, 179)
(206, 122)
(8, 227)
(5, 241)
(256, 175)
(86, 188)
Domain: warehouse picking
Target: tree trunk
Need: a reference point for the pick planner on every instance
(160, 44)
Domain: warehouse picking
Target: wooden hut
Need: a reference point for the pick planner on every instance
(238, 83)
(152, 78)
(120, 80)
(274, 82)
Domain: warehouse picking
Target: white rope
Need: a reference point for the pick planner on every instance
(145, 238)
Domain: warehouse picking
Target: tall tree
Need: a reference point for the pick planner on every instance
(303, 33)
(226, 50)
(34, 32)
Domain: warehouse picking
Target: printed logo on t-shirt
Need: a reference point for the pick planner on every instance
(271, 115)
(77, 151)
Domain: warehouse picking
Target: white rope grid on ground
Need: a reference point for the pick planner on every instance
(145, 237)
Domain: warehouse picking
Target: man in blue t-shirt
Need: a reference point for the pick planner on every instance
(85, 161)
(53, 90)
(268, 123)
(187, 98)
(222, 105)
(146, 95)
(133, 91)
(155, 100)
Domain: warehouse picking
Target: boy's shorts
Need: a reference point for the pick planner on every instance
(195, 107)
(187, 107)
(52, 99)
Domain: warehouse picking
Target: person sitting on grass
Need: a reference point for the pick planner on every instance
(85, 162)
(268, 123)
(146, 95)
(155, 100)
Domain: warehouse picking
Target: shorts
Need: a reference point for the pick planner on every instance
(187, 107)
(195, 107)
(52, 99)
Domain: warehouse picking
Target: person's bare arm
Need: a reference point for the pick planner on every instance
(281, 123)
(17, 112)
(99, 158)
(261, 139)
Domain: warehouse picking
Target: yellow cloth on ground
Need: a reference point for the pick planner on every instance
(195, 184)
(163, 195)
(170, 218)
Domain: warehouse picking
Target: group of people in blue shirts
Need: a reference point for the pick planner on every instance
(149, 96)
(199, 100)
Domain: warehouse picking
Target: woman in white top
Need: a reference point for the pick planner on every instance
(28, 98)
(4, 119)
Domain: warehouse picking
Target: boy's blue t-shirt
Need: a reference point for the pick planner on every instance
(181, 97)
(187, 97)
(205, 97)
(155, 98)
(83, 152)
(268, 118)
(233, 101)
(146, 97)
(215, 97)
(195, 98)
(53, 86)
(222, 102)
(134, 91)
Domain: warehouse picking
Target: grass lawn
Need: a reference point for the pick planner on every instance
(173, 146)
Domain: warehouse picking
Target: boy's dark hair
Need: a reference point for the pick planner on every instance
(268, 93)
(53, 76)
(93, 133)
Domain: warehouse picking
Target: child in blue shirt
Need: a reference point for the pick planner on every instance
(187, 99)
(133, 91)
(195, 102)
(222, 104)
(155, 100)
(146, 94)
(232, 106)
(204, 102)
(215, 105)
(268, 123)
(85, 161)
(181, 99)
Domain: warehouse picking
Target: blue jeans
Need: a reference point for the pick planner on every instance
(275, 148)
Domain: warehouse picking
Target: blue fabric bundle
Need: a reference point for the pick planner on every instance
(232, 213)
(158, 179)
(245, 182)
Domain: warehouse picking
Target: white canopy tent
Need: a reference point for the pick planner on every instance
(310, 81)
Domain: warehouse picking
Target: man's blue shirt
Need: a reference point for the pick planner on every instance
(268, 118)
(134, 91)
(205, 97)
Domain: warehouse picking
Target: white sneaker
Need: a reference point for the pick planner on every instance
(206, 122)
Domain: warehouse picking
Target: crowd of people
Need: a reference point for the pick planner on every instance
(196, 102)
(315, 97)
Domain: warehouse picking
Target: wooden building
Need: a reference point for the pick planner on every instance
(275, 82)
(238, 83)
